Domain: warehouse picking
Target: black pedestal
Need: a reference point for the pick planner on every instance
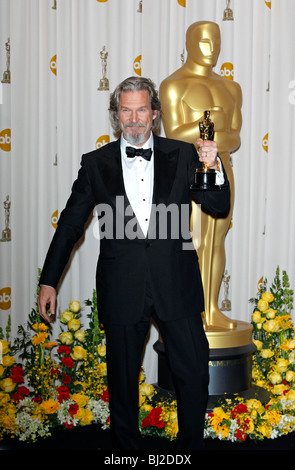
(230, 372)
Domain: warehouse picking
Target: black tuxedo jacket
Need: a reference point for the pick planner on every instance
(125, 253)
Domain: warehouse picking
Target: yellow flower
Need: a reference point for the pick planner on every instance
(270, 313)
(262, 305)
(84, 415)
(49, 406)
(268, 296)
(258, 344)
(75, 306)
(7, 385)
(80, 399)
(141, 400)
(102, 368)
(4, 398)
(39, 338)
(8, 360)
(146, 389)
(80, 335)
(219, 416)
(275, 377)
(78, 353)
(102, 350)
(279, 389)
(66, 316)
(272, 326)
(40, 327)
(146, 407)
(74, 324)
(266, 353)
(290, 376)
(66, 337)
(256, 317)
(4, 347)
(253, 404)
(282, 365)
(288, 345)
(290, 395)
(272, 416)
(250, 425)
(50, 344)
(265, 430)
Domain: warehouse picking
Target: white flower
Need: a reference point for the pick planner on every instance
(63, 415)
(100, 411)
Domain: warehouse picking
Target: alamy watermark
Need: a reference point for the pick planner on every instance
(171, 222)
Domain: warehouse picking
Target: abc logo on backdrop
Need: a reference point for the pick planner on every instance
(5, 140)
(5, 298)
(227, 70)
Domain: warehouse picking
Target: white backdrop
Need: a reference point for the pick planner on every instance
(52, 112)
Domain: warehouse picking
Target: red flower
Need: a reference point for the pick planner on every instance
(17, 370)
(105, 396)
(153, 419)
(22, 390)
(64, 349)
(67, 379)
(240, 435)
(63, 393)
(73, 409)
(67, 362)
(37, 399)
(241, 408)
(20, 393)
(17, 374)
(55, 371)
(17, 379)
(69, 426)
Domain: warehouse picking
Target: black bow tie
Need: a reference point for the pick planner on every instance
(132, 152)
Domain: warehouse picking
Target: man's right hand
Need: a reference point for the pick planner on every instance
(47, 296)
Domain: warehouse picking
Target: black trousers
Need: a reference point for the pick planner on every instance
(187, 352)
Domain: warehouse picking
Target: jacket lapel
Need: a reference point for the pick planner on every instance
(165, 165)
(111, 170)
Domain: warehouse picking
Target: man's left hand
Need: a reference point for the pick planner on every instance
(208, 153)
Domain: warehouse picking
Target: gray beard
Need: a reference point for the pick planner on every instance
(135, 139)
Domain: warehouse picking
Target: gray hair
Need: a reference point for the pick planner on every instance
(131, 84)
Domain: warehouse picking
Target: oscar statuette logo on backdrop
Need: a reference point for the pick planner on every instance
(6, 75)
(104, 82)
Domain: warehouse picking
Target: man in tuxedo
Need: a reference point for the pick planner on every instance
(147, 266)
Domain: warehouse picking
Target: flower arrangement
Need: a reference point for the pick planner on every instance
(273, 369)
(46, 385)
(50, 390)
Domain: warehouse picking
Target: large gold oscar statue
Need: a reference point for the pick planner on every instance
(185, 95)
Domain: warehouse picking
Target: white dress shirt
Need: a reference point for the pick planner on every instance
(138, 176)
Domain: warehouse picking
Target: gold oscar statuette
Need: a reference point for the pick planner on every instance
(185, 94)
(104, 82)
(205, 177)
